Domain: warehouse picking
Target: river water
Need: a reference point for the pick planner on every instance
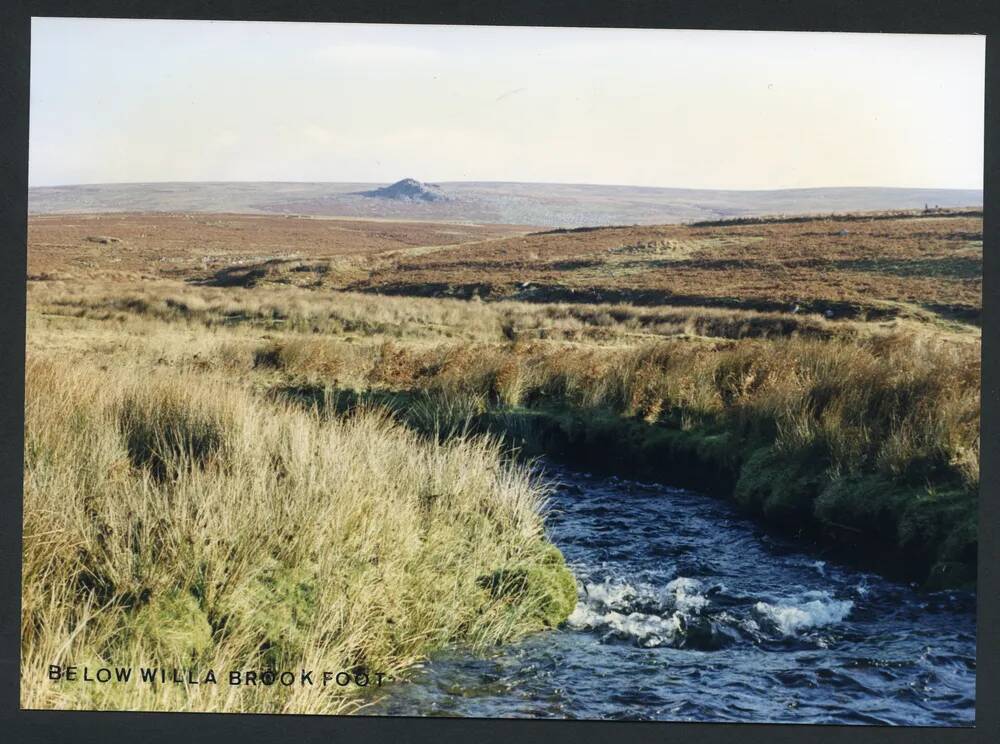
(689, 612)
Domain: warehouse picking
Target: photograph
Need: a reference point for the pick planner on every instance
(496, 372)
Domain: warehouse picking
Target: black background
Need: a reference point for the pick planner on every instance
(895, 16)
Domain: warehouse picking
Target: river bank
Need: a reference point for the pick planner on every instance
(173, 520)
(909, 531)
(906, 531)
(177, 478)
(689, 611)
(867, 447)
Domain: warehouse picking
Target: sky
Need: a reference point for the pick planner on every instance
(118, 101)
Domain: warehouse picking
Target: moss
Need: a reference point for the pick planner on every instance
(962, 543)
(175, 624)
(906, 530)
(775, 486)
(717, 448)
(950, 575)
(933, 534)
(868, 503)
(278, 604)
(939, 528)
(603, 441)
(546, 585)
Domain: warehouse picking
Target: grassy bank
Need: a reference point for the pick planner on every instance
(869, 446)
(861, 436)
(203, 489)
(174, 520)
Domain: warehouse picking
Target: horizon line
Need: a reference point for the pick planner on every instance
(533, 183)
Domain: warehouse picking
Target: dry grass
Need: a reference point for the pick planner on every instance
(173, 521)
(863, 268)
(362, 316)
(875, 269)
(180, 512)
(163, 244)
(906, 406)
(867, 395)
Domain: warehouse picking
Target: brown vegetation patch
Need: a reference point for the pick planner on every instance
(185, 244)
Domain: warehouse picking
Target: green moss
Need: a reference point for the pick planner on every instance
(927, 535)
(717, 448)
(603, 441)
(896, 523)
(777, 486)
(546, 585)
(175, 624)
(868, 503)
(962, 543)
(278, 604)
(940, 527)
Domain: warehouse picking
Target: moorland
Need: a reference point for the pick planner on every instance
(549, 204)
(284, 440)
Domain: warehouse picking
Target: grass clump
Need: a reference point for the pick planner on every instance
(164, 434)
(174, 520)
(174, 625)
(546, 584)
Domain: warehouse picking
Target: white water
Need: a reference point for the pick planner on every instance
(687, 611)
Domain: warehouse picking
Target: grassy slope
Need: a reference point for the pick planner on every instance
(173, 520)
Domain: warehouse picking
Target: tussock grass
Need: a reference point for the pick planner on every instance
(296, 310)
(906, 405)
(178, 513)
(171, 520)
(205, 486)
(896, 398)
(873, 440)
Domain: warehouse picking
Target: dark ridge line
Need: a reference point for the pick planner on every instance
(845, 217)
(564, 230)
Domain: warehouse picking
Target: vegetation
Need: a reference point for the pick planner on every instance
(873, 443)
(862, 266)
(228, 468)
(180, 523)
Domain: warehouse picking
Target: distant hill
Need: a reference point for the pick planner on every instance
(544, 205)
(408, 189)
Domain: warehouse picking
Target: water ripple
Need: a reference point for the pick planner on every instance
(688, 612)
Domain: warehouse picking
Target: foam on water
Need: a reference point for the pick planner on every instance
(813, 610)
(687, 595)
(651, 616)
(612, 594)
(687, 611)
(645, 614)
(644, 630)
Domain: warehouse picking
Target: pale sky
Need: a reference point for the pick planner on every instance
(143, 100)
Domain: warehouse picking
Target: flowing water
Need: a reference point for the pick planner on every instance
(689, 612)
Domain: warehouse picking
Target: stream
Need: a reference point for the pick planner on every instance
(688, 611)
